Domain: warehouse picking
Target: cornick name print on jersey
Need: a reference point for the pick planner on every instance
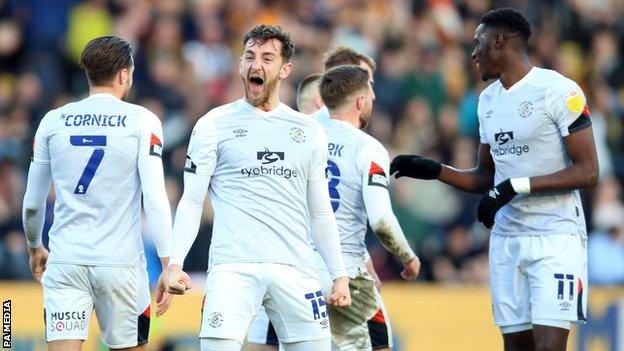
(94, 120)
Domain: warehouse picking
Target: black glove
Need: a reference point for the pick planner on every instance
(414, 166)
(493, 200)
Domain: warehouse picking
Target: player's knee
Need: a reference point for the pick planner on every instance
(214, 344)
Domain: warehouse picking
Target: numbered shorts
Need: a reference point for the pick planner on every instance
(291, 296)
(119, 295)
(374, 333)
(538, 279)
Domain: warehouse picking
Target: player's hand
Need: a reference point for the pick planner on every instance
(163, 297)
(179, 281)
(411, 269)
(493, 200)
(415, 166)
(340, 296)
(37, 261)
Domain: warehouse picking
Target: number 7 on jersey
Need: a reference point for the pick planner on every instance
(94, 160)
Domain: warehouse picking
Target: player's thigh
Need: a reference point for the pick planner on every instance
(379, 328)
(509, 283)
(557, 280)
(234, 291)
(295, 304)
(261, 333)
(249, 346)
(68, 303)
(349, 325)
(122, 305)
(218, 344)
(134, 348)
(65, 345)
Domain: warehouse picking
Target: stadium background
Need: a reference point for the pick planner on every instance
(186, 57)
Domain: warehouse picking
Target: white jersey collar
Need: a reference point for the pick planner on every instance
(259, 111)
(109, 95)
(521, 82)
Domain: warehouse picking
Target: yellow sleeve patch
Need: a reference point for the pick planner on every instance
(574, 102)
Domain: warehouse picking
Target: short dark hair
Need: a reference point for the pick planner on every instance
(264, 32)
(343, 55)
(307, 80)
(339, 83)
(103, 57)
(509, 21)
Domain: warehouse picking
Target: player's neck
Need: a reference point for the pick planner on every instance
(514, 71)
(272, 103)
(350, 118)
(118, 93)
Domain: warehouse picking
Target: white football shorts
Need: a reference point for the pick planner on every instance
(119, 295)
(291, 296)
(538, 280)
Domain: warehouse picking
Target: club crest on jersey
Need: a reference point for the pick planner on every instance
(215, 319)
(377, 176)
(297, 135)
(525, 109)
(155, 146)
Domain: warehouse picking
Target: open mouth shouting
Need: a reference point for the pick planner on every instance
(256, 84)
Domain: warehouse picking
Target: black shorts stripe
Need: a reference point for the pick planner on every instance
(580, 314)
(271, 338)
(378, 334)
(143, 324)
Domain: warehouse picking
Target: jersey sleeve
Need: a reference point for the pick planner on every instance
(374, 165)
(374, 161)
(482, 135)
(41, 154)
(201, 157)
(155, 201)
(318, 162)
(568, 108)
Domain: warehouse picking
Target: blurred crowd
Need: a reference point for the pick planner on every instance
(186, 59)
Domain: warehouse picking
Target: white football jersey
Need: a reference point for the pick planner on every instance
(525, 126)
(94, 147)
(260, 163)
(356, 160)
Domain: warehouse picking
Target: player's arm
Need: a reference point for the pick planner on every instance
(474, 180)
(324, 230)
(380, 215)
(570, 114)
(155, 201)
(200, 163)
(582, 173)
(34, 203)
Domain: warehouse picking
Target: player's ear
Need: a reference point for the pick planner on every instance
(359, 102)
(317, 101)
(123, 76)
(499, 41)
(285, 70)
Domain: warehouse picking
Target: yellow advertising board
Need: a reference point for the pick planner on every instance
(424, 318)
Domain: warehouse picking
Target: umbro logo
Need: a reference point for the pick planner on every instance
(269, 156)
(240, 132)
(489, 113)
